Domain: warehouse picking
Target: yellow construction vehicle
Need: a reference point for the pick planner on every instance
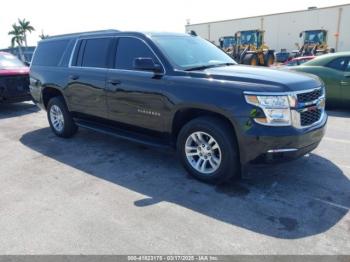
(250, 49)
(227, 43)
(314, 43)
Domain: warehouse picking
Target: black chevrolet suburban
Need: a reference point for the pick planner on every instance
(177, 91)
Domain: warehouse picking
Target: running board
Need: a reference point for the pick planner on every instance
(127, 135)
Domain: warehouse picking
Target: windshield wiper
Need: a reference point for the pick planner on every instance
(203, 67)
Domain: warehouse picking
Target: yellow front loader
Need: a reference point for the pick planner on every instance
(250, 49)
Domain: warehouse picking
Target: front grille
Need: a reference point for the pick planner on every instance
(309, 117)
(11, 86)
(309, 107)
(309, 96)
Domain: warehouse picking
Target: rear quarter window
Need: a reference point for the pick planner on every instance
(50, 53)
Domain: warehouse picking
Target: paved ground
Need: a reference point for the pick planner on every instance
(99, 195)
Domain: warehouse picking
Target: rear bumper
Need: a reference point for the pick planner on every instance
(262, 144)
(36, 93)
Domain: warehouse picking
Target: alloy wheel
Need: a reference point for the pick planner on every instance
(57, 118)
(203, 152)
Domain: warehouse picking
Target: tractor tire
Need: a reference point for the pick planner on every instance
(251, 59)
(269, 59)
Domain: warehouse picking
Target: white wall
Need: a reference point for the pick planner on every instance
(282, 30)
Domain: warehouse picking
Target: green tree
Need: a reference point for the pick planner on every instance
(43, 36)
(25, 28)
(17, 38)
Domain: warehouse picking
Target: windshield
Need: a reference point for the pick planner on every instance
(249, 38)
(186, 52)
(314, 37)
(8, 61)
(228, 41)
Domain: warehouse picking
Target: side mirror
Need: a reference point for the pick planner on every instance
(27, 63)
(146, 64)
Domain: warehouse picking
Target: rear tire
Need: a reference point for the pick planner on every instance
(208, 150)
(269, 59)
(60, 119)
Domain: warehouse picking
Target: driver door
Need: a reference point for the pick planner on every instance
(136, 97)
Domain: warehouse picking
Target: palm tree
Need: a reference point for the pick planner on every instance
(26, 28)
(17, 38)
(43, 36)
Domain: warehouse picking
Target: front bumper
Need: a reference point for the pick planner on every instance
(14, 89)
(15, 99)
(264, 144)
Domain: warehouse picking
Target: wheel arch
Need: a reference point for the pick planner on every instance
(187, 113)
(49, 92)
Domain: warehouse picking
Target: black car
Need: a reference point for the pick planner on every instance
(178, 91)
(14, 79)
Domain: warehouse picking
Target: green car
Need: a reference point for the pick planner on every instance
(334, 70)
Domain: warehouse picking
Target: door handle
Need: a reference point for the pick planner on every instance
(74, 77)
(114, 82)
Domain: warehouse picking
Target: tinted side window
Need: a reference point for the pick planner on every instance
(96, 52)
(348, 67)
(130, 48)
(49, 53)
(338, 63)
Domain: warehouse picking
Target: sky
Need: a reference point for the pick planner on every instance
(68, 16)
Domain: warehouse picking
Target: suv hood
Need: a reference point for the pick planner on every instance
(261, 79)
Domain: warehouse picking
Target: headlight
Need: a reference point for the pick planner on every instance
(275, 108)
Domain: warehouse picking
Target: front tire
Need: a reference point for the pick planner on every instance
(208, 150)
(60, 119)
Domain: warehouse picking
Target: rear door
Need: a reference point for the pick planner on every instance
(136, 97)
(87, 78)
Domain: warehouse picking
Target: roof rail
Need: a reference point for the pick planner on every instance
(84, 33)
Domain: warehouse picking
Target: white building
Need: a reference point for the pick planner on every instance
(282, 30)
